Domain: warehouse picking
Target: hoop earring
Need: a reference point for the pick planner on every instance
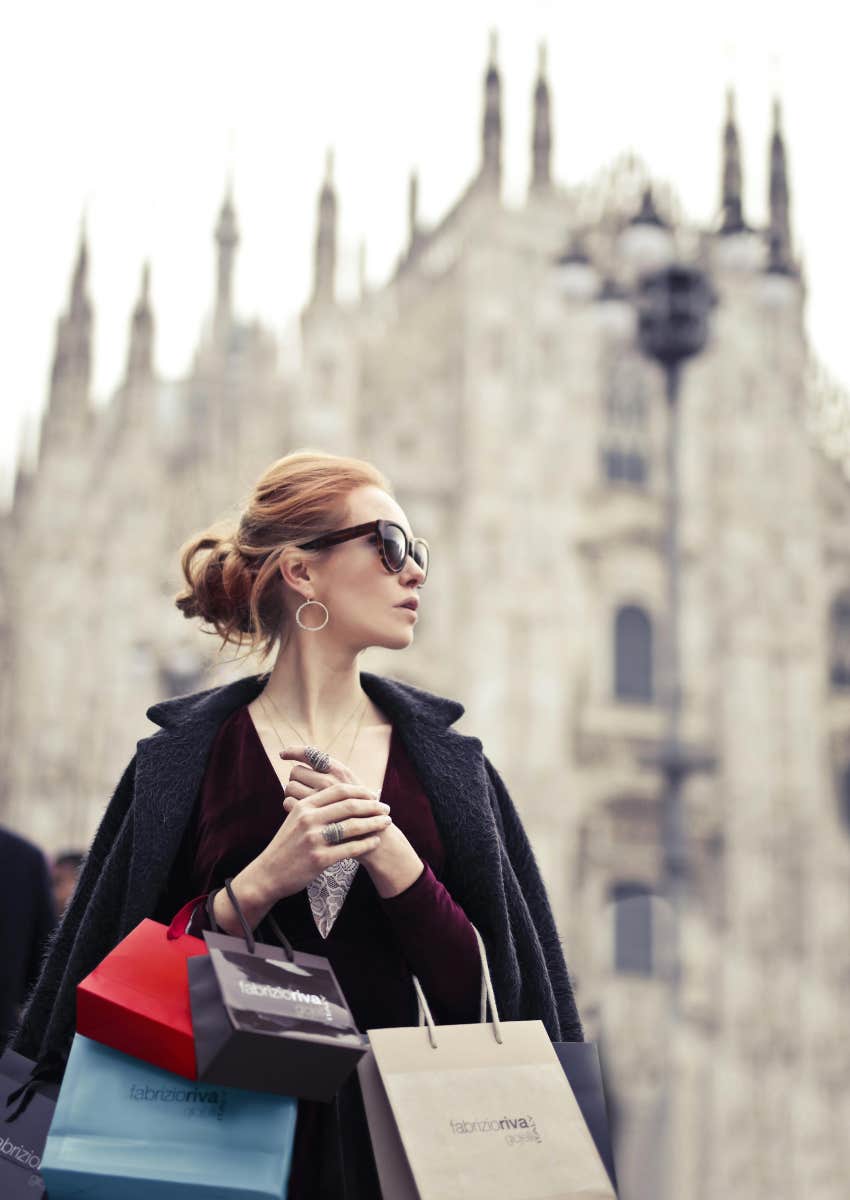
(311, 628)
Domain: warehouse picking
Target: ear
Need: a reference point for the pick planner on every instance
(294, 567)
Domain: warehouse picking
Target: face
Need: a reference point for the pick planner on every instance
(64, 882)
(362, 596)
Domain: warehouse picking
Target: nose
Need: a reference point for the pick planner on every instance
(418, 573)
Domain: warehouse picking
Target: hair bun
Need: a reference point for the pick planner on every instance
(219, 582)
(232, 573)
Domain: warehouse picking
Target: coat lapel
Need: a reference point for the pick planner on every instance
(170, 767)
(450, 767)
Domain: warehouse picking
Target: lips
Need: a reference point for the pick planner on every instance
(413, 605)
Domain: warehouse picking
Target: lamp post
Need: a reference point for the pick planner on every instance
(673, 306)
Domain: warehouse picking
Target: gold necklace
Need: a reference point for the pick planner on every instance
(300, 735)
(306, 741)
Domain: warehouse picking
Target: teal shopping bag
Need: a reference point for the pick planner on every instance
(123, 1128)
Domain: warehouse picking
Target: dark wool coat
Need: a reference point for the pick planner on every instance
(490, 869)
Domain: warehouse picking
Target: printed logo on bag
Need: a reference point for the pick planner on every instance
(272, 991)
(197, 1102)
(516, 1129)
(20, 1154)
(261, 996)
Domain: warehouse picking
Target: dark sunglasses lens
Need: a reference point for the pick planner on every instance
(420, 555)
(394, 547)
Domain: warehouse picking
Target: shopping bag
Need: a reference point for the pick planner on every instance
(126, 1129)
(137, 999)
(580, 1063)
(480, 1111)
(271, 1018)
(26, 1110)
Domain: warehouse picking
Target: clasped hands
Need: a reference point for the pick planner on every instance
(298, 852)
(336, 796)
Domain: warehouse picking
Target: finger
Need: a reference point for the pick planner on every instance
(317, 779)
(353, 849)
(341, 791)
(297, 791)
(357, 827)
(290, 803)
(299, 753)
(344, 809)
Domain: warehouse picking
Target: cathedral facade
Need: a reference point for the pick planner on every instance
(497, 380)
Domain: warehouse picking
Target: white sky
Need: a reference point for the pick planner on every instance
(135, 112)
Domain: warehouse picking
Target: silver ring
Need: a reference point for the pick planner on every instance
(333, 833)
(319, 760)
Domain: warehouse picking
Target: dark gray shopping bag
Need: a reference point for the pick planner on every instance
(24, 1122)
(580, 1061)
(271, 1019)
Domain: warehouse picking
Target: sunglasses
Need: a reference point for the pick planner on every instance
(392, 542)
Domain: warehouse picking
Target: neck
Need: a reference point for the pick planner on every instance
(317, 688)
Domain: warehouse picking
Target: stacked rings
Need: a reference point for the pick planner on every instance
(333, 833)
(319, 760)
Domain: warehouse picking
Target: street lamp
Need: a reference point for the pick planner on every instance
(647, 241)
(673, 306)
(577, 277)
(616, 310)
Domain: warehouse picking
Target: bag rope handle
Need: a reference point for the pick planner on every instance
(488, 999)
(48, 1069)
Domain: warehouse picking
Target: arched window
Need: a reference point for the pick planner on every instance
(632, 654)
(633, 940)
(624, 466)
(839, 642)
(625, 446)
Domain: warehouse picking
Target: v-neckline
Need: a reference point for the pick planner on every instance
(270, 764)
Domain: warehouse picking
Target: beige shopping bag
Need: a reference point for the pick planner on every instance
(479, 1111)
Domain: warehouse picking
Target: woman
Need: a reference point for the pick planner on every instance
(339, 800)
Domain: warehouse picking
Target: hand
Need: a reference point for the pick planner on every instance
(392, 863)
(298, 852)
(306, 783)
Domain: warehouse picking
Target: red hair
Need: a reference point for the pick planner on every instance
(232, 576)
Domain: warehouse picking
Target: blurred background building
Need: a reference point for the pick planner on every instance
(496, 377)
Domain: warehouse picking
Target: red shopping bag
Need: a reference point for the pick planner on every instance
(137, 999)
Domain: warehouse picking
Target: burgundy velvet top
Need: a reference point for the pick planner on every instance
(374, 944)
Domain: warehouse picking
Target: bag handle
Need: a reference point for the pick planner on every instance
(48, 1069)
(285, 943)
(246, 928)
(488, 998)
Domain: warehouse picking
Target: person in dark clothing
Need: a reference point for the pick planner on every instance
(339, 800)
(64, 871)
(27, 917)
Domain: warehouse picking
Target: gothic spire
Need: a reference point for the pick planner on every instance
(71, 371)
(491, 133)
(731, 199)
(541, 141)
(226, 239)
(80, 306)
(779, 231)
(325, 252)
(140, 355)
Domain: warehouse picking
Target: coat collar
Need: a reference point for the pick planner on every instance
(170, 768)
(402, 702)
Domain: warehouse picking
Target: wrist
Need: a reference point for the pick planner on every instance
(253, 899)
(394, 866)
